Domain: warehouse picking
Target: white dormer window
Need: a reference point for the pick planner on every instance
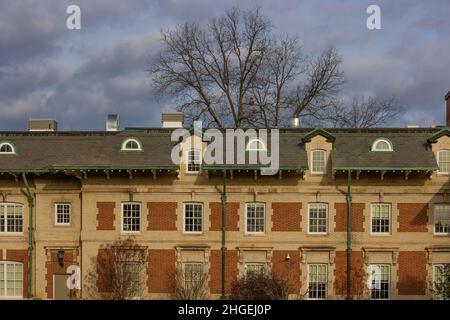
(256, 145)
(444, 161)
(6, 148)
(193, 161)
(318, 161)
(131, 145)
(382, 145)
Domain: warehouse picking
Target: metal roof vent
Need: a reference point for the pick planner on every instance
(294, 122)
(172, 120)
(43, 125)
(112, 122)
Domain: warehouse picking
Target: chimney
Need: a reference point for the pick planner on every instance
(112, 122)
(172, 120)
(447, 99)
(42, 125)
(294, 123)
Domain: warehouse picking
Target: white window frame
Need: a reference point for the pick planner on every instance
(326, 281)
(5, 232)
(246, 218)
(312, 204)
(387, 141)
(56, 214)
(13, 150)
(260, 145)
(324, 152)
(372, 205)
(197, 263)
(434, 220)
(248, 265)
(444, 173)
(3, 295)
(389, 280)
(202, 218)
(196, 161)
(123, 204)
(125, 142)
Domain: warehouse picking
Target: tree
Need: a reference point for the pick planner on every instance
(441, 282)
(234, 72)
(118, 272)
(190, 284)
(260, 286)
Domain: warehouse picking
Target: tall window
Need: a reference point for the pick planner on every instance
(444, 161)
(193, 273)
(11, 218)
(318, 218)
(131, 217)
(442, 219)
(132, 277)
(317, 281)
(440, 283)
(318, 161)
(193, 161)
(381, 218)
(11, 280)
(255, 268)
(193, 218)
(62, 214)
(255, 217)
(380, 281)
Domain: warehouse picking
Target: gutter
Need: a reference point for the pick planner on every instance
(30, 235)
(349, 233)
(224, 228)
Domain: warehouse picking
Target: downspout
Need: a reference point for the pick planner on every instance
(224, 228)
(349, 233)
(30, 235)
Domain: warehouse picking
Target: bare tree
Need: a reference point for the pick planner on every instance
(260, 286)
(190, 285)
(118, 272)
(441, 284)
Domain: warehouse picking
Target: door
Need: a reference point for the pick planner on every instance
(60, 289)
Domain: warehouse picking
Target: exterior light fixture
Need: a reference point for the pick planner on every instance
(60, 256)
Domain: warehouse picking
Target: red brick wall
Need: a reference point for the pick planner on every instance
(412, 217)
(22, 257)
(358, 273)
(357, 217)
(412, 273)
(288, 270)
(53, 267)
(286, 216)
(161, 270)
(162, 216)
(231, 270)
(232, 216)
(105, 215)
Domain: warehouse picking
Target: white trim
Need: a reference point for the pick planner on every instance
(388, 142)
(124, 143)
(440, 234)
(307, 281)
(265, 218)
(389, 280)
(184, 218)
(328, 218)
(13, 150)
(324, 161)
(390, 219)
(14, 233)
(63, 224)
(199, 161)
(121, 217)
(5, 263)
(258, 141)
(439, 172)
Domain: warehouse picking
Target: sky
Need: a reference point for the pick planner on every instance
(80, 76)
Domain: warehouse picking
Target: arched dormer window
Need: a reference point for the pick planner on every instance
(131, 144)
(382, 144)
(443, 158)
(256, 145)
(7, 148)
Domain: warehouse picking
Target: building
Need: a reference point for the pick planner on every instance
(80, 190)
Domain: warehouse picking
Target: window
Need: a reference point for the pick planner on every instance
(381, 218)
(131, 217)
(379, 281)
(131, 145)
(193, 274)
(132, 276)
(256, 145)
(193, 161)
(255, 217)
(317, 281)
(444, 161)
(318, 158)
(62, 214)
(6, 148)
(11, 218)
(382, 145)
(193, 218)
(255, 268)
(442, 219)
(11, 280)
(318, 218)
(440, 283)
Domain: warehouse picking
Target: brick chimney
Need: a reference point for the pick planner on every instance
(447, 99)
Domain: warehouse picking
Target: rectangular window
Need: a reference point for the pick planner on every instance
(131, 217)
(193, 217)
(442, 219)
(441, 281)
(132, 277)
(62, 214)
(255, 217)
(444, 161)
(11, 218)
(318, 161)
(193, 161)
(318, 218)
(381, 218)
(11, 280)
(255, 268)
(317, 281)
(193, 273)
(380, 281)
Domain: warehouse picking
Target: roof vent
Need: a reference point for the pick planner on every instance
(172, 120)
(45, 125)
(294, 123)
(412, 126)
(112, 122)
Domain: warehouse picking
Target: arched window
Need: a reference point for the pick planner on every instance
(7, 148)
(11, 279)
(382, 145)
(131, 144)
(256, 145)
(318, 161)
(444, 161)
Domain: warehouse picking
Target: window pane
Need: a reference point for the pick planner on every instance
(318, 215)
(318, 161)
(11, 218)
(444, 161)
(442, 218)
(381, 214)
(11, 279)
(193, 272)
(63, 213)
(317, 281)
(193, 161)
(131, 216)
(380, 284)
(193, 217)
(255, 217)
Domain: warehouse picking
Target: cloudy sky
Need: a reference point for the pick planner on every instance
(79, 76)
